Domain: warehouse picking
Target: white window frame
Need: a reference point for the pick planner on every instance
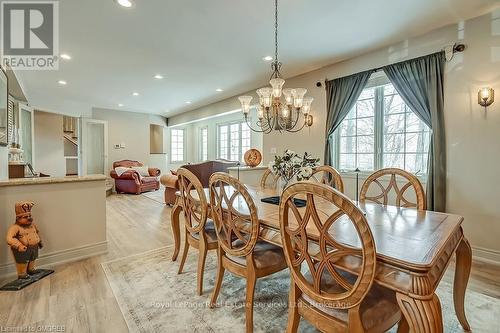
(378, 83)
(203, 150)
(240, 146)
(183, 130)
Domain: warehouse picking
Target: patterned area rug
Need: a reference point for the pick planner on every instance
(154, 298)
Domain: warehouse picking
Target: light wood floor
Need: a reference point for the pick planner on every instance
(79, 297)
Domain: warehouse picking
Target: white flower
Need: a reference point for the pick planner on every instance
(296, 159)
(305, 172)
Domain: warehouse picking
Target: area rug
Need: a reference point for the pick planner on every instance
(154, 298)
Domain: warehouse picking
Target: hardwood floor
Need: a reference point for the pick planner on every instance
(78, 296)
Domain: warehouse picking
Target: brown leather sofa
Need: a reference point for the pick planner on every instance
(201, 170)
(131, 182)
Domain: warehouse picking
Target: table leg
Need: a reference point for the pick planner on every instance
(176, 229)
(462, 272)
(422, 315)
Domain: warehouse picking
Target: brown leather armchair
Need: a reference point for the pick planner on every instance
(201, 170)
(131, 182)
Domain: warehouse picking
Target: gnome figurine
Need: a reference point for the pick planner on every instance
(24, 240)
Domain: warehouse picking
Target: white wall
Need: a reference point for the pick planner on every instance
(49, 144)
(131, 129)
(472, 134)
(4, 163)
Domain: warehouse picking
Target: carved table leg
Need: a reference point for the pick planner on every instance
(462, 272)
(176, 229)
(422, 315)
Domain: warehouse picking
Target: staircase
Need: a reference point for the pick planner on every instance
(70, 135)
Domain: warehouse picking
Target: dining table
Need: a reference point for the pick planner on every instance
(414, 249)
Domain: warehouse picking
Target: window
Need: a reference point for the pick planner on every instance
(381, 131)
(177, 145)
(234, 141)
(204, 144)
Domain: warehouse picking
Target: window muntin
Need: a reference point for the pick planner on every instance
(204, 144)
(381, 131)
(177, 145)
(234, 140)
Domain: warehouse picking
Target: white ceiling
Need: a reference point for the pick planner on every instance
(202, 45)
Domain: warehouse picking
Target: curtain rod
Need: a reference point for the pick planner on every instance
(456, 48)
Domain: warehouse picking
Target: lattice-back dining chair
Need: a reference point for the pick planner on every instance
(395, 175)
(330, 176)
(199, 230)
(240, 251)
(269, 179)
(314, 239)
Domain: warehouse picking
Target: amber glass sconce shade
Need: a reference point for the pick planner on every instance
(485, 97)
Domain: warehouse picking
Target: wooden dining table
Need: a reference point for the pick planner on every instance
(414, 249)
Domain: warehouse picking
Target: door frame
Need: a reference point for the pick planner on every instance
(82, 168)
(25, 107)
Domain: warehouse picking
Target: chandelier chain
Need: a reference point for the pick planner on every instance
(276, 31)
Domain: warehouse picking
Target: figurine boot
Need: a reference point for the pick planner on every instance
(31, 268)
(21, 271)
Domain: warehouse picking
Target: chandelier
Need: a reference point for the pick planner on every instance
(279, 109)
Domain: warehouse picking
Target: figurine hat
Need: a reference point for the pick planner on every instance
(23, 208)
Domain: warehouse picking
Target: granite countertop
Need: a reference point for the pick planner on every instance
(50, 180)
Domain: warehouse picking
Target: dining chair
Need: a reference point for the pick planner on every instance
(273, 179)
(329, 176)
(330, 299)
(404, 178)
(199, 230)
(240, 251)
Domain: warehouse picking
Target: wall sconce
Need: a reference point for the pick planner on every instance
(309, 120)
(485, 97)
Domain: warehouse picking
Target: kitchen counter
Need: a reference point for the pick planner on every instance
(50, 180)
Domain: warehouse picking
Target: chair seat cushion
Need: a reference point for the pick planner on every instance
(378, 307)
(265, 255)
(209, 231)
(147, 180)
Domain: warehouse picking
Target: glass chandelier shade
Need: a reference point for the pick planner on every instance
(279, 109)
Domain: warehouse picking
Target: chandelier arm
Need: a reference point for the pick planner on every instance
(253, 129)
(298, 129)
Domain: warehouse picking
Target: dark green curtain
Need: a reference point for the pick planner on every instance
(420, 83)
(341, 96)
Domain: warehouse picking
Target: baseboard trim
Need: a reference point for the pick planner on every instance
(486, 255)
(60, 257)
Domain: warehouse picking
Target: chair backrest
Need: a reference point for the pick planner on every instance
(330, 176)
(235, 215)
(195, 207)
(265, 182)
(311, 235)
(396, 175)
(205, 169)
(126, 164)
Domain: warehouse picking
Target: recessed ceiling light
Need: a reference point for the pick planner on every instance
(62, 82)
(125, 3)
(135, 93)
(188, 102)
(219, 90)
(66, 56)
(267, 58)
(120, 104)
(158, 76)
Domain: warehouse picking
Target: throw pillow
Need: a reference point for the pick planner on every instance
(121, 170)
(142, 171)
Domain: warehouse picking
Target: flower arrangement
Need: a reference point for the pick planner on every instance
(291, 165)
